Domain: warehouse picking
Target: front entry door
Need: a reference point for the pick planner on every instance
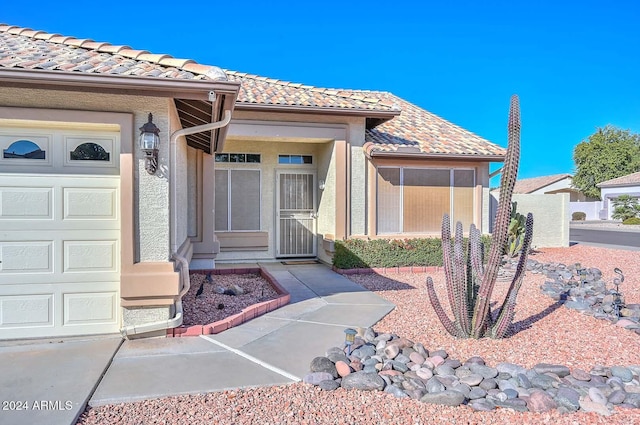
(295, 213)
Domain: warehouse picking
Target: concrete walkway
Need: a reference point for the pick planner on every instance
(273, 349)
(54, 379)
(50, 382)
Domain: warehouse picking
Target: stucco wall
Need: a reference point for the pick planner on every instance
(150, 191)
(551, 216)
(358, 180)
(192, 192)
(181, 190)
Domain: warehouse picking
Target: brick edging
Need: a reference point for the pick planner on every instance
(246, 314)
(389, 270)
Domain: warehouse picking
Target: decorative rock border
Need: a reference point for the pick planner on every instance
(591, 297)
(246, 314)
(389, 363)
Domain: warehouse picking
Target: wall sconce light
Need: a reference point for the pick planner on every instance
(321, 184)
(349, 339)
(149, 143)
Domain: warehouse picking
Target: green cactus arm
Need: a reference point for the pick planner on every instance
(447, 262)
(476, 253)
(507, 310)
(461, 311)
(448, 324)
(509, 175)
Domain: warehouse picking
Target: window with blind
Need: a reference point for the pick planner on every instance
(237, 198)
(413, 200)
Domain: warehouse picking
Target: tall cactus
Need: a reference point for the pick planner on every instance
(470, 283)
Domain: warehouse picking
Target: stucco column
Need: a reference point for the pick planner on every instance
(342, 192)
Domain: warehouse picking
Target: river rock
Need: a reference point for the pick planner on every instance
(329, 385)
(447, 397)
(540, 401)
(343, 368)
(622, 372)
(314, 378)
(590, 406)
(472, 380)
(558, 370)
(323, 364)
(363, 381)
(510, 368)
(424, 373)
(569, 398)
(391, 351)
(396, 391)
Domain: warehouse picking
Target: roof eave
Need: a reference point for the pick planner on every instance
(416, 154)
(617, 185)
(369, 113)
(116, 84)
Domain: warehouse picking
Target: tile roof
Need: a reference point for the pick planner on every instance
(535, 183)
(28, 49)
(411, 129)
(417, 131)
(258, 90)
(628, 180)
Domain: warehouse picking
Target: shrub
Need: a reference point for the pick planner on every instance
(360, 253)
(632, 220)
(578, 216)
(625, 206)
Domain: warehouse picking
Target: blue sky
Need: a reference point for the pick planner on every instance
(574, 64)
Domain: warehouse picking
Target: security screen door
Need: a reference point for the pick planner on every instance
(295, 214)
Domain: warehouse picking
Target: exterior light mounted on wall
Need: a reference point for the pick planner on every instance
(321, 184)
(149, 145)
(349, 339)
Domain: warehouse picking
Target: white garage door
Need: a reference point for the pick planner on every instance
(59, 232)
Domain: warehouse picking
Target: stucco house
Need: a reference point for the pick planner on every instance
(611, 189)
(553, 184)
(98, 236)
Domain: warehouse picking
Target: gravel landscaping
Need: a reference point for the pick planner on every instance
(545, 333)
(222, 296)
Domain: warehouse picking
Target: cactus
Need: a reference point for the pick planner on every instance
(516, 232)
(470, 283)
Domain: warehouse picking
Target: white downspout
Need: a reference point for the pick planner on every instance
(184, 264)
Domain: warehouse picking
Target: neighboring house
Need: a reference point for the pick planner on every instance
(557, 183)
(91, 242)
(611, 189)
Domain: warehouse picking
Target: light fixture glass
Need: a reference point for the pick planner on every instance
(149, 142)
(349, 338)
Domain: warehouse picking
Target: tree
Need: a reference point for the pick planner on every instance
(608, 153)
(625, 206)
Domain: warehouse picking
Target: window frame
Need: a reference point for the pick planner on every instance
(402, 168)
(229, 170)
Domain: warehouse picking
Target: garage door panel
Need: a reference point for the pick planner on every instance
(34, 203)
(57, 309)
(95, 308)
(60, 237)
(26, 257)
(20, 311)
(90, 203)
(90, 256)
